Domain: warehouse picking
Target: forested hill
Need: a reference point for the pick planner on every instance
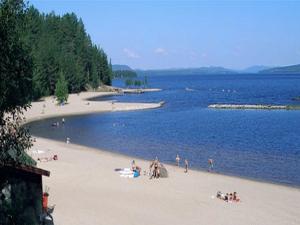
(186, 71)
(60, 45)
(294, 69)
(118, 67)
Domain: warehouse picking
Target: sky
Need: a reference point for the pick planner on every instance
(180, 34)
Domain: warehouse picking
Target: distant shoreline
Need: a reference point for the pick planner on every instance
(247, 106)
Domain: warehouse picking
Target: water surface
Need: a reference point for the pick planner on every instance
(259, 144)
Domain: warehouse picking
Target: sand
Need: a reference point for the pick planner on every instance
(80, 104)
(86, 189)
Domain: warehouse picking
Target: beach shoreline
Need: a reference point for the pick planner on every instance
(83, 183)
(80, 105)
(167, 164)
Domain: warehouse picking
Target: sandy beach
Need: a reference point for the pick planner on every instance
(86, 189)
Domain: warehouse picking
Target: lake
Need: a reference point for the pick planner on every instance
(257, 144)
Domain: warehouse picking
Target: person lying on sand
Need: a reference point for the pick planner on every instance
(47, 159)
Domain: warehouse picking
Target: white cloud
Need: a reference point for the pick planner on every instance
(130, 53)
(161, 51)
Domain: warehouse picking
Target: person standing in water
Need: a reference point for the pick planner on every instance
(210, 165)
(186, 164)
(177, 160)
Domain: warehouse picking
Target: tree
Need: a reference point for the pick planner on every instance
(137, 83)
(15, 85)
(124, 74)
(61, 89)
(128, 82)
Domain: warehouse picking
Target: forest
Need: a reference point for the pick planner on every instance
(60, 46)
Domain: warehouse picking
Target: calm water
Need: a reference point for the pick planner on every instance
(258, 144)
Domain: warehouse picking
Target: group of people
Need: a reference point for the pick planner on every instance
(228, 197)
(154, 171)
(56, 124)
(186, 164)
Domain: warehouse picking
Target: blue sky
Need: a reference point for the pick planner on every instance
(176, 34)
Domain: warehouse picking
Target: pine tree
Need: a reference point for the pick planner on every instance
(61, 89)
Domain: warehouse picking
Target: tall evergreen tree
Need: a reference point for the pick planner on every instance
(61, 89)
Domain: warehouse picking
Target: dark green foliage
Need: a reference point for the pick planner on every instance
(14, 141)
(124, 74)
(128, 82)
(61, 90)
(136, 83)
(15, 63)
(60, 43)
(15, 84)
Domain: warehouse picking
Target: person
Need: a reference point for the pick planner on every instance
(177, 160)
(150, 169)
(68, 140)
(186, 163)
(220, 195)
(112, 105)
(47, 159)
(230, 197)
(63, 121)
(235, 198)
(55, 124)
(226, 198)
(136, 169)
(45, 201)
(210, 165)
(133, 166)
(156, 168)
